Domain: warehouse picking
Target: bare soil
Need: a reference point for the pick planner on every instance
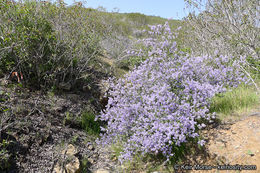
(238, 143)
(39, 126)
(234, 143)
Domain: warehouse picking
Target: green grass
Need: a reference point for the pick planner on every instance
(89, 124)
(238, 100)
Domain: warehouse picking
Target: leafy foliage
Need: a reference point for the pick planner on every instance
(25, 37)
(48, 43)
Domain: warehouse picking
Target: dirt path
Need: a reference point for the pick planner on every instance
(235, 144)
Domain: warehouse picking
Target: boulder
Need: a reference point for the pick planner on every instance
(73, 166)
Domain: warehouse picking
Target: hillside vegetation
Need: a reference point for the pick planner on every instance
(143, 87)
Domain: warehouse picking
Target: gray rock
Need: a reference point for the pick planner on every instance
(73, 166)
(92, 161)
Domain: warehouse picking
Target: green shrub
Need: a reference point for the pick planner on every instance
(29, 39)
(48, 43)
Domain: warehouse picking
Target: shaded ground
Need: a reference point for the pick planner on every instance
(35, 127)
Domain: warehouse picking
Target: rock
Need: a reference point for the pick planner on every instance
(73, 166)
(220, 144)
(58, 169)
(90, 147)
(65, 86)
(102, 171)
(71, 150)
(92, 161)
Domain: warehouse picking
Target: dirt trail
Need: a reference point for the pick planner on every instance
(235, 144)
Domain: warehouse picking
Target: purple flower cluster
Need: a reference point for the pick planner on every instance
(159, 103)
(160, 42)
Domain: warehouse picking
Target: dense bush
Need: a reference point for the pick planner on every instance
(48, 43)
(161, 103)
(144, 40)
(26, 41)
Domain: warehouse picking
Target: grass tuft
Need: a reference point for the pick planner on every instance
(239, 100)
(89, 124)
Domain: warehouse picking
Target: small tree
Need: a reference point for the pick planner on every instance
(225, 26)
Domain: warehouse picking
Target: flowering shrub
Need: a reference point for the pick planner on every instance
(159, 104)
(160, 42)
